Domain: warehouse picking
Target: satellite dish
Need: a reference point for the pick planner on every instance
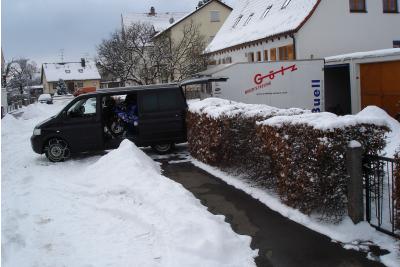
(171, 20)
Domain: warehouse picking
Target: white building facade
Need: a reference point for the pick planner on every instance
(272, 30)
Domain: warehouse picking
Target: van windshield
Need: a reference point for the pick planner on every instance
(83, 108)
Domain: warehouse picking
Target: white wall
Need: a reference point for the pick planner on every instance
(239, 55)
(334, 30)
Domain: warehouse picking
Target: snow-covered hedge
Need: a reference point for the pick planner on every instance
(309, 153)
(297, 153)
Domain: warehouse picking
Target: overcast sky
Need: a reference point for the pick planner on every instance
(39, 29)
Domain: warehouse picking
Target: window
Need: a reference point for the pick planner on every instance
(273, 54)
(259, 56)
(265, 55)
(396, 44)
(250, 56)
(169, 100)
(67, 71)
(83, 108)
(54, 86)
(390, 6)
(285, 4)
(150, 103)
(357, 6)
(228, 60)
(79, 84)
(162, 101)
(214, 16)
(286, 52)
(237, 20)
(266, 11)
(248, 19)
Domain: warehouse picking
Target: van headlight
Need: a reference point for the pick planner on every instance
(37, 131)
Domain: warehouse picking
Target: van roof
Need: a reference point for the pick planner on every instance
(107, 91)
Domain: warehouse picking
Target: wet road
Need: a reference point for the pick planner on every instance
(281, 242)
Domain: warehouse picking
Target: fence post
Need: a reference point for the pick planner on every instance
(355, 183)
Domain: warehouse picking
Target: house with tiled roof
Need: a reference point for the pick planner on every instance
(269, 30)
(75, 74)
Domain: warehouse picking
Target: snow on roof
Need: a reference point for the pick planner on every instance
(367, 54)
(252, 20)
(70, 71)
(160, 20)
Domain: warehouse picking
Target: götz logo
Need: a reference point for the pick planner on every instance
(259, 78)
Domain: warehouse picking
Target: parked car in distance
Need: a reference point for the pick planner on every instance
(84, 90)
(45, 98)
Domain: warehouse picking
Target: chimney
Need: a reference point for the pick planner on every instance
(83, 62)
(152, 11)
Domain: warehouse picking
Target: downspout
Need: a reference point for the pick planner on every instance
(294, 46)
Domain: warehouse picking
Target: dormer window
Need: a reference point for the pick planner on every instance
(266, 11)
(67, 71)
(248, 19)
(390, 6)
(357, 6)
(285, 4)
(237, 21)
(80, 70)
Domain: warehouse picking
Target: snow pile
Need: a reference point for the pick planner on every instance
(325, 121)
(393, 137)
(41, 110)
(115, 210)
(217, 107)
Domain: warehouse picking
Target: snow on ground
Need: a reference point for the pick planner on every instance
(350, 235)
(111, 210)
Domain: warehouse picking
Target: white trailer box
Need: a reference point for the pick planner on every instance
(282, 84)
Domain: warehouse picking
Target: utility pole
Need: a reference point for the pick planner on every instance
(62, 54)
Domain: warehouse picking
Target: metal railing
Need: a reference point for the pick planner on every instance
(380, 203)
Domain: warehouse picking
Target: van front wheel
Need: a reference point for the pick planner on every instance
(163, 148)
(57, 150)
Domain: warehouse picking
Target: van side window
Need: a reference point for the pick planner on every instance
(150, 103)
(163, 100)
(168, 100)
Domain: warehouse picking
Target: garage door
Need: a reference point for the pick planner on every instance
(380, 86)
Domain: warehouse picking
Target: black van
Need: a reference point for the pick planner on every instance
(147, 115)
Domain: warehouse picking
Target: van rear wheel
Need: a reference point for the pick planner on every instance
(57, 150)
(163, 148)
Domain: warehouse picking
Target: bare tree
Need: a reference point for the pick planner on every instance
(20, 73)
(135, 55)
(184, 54)
(127, 55)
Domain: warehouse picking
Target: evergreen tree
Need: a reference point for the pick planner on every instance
(61, 87)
